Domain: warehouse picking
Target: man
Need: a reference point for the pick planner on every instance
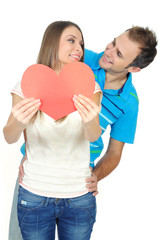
(130, 52)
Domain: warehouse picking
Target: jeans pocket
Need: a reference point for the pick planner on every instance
(85, 201)
(29, 201)
(84, 208)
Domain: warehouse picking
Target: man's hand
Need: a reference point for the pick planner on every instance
(21, 170)
(92, 184)
(105, 165)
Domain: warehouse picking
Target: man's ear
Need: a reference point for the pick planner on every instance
(134, 69)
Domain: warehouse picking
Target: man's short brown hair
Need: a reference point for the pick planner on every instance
(147, 40)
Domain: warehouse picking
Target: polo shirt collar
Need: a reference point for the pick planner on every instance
(126, 88)
(95, 64)
(124, 91)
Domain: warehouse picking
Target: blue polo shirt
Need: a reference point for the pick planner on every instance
(119, 108)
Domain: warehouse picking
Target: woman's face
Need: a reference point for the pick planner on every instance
(70, 46)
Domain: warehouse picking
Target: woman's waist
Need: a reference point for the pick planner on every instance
(36, 197)
(64, 176)
(59, 185)
(56, 166)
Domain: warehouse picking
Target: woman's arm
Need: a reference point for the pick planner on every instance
(89, 112)
(22, 112)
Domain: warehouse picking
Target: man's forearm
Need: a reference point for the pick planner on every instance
(105, 166)
(110, 160)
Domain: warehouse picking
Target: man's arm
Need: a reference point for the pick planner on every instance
(110, 160)
(106, 164)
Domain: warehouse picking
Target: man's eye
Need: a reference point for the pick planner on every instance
(119, 54)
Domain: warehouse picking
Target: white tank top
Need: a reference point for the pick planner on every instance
(58, 155)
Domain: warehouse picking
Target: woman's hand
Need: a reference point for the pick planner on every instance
(89, 112)
(87, 108)
(24, 110)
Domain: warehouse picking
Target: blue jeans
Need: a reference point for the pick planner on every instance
(38, 216)
(14, 230)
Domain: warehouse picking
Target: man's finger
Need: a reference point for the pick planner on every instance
(95, 193)
(91, 179)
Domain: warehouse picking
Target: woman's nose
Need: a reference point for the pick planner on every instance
(79, 48)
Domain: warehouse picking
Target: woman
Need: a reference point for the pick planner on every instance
(53, 191)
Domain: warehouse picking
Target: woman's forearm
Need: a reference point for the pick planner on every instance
(12, 131)
(22, 112)
(92, 130)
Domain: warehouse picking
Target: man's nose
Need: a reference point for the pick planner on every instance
(110, 51)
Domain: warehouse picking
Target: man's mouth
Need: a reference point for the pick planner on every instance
(106, 59)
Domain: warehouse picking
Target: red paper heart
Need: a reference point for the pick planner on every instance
(56, 92)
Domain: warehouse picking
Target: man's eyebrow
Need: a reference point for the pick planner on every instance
(118, 51)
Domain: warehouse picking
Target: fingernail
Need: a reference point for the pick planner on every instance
(38, 103)
(75, 97)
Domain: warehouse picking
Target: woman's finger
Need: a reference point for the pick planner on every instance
(89, 102)
(24, 105)
(24, 112)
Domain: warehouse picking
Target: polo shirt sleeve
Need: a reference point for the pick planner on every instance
(125, 127)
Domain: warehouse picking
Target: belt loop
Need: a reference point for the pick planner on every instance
(66, 202)
(46, 202)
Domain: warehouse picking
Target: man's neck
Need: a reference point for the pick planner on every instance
(115, 81)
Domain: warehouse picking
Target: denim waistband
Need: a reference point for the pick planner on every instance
(46, 200)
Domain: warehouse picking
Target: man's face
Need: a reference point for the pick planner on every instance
(119, 54)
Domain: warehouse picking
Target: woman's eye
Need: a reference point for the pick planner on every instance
(71, 40)
(82, 45)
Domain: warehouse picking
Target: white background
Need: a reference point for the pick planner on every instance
(130, 200)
